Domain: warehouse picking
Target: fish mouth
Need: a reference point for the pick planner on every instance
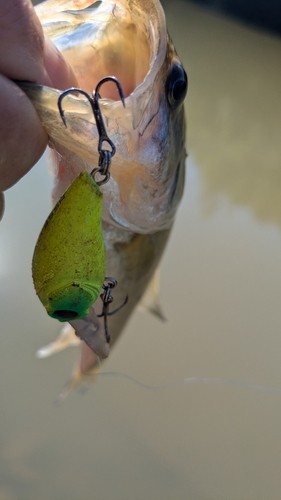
(120, 38)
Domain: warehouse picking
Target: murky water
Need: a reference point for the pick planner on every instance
(221, 289)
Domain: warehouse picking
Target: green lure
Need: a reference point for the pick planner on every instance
(69, 260)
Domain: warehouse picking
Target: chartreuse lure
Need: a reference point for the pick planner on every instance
(69, 261)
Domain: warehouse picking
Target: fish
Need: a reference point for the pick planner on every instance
(127, 39)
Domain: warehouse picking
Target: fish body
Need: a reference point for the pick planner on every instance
(127, 39)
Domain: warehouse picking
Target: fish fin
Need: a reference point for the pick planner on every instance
(150, 300)
(65, 339)
(85, 373)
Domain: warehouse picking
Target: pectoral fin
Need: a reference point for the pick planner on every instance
(66, 338)
(150, 300)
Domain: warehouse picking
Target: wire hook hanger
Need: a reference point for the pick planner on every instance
(105, 155)
(107, 299)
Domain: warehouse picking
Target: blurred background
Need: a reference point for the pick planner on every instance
(217, 436)
(263, 14)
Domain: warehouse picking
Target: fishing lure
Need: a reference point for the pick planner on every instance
(69, 260)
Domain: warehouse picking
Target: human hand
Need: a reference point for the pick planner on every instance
(26, 54)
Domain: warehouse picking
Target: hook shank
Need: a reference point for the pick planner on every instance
(105, 155)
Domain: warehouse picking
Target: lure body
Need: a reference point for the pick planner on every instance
(69, 260)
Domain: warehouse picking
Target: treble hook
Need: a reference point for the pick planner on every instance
(107, 299)
(105, 155)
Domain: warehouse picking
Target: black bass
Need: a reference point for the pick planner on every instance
(127, 39)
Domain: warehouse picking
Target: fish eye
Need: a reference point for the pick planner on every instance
(176, 85)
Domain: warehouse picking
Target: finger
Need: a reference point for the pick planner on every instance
(59, 71)
(28, 55)
(22, 38)
(23, 139)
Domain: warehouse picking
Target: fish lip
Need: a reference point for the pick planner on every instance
(139, 98)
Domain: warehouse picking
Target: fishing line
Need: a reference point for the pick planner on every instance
(215, 381)
(195, 380)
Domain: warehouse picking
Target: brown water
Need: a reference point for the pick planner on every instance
(221, 289)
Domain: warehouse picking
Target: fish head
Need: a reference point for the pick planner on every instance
(149, 183)
(127, 39)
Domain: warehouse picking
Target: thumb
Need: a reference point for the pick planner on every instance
(58, 70)
(26, 54)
